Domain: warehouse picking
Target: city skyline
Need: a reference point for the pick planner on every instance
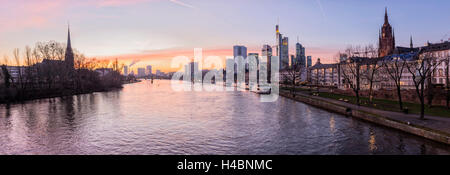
(119, 29)
(229, 78)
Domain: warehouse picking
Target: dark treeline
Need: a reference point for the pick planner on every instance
(41, 72)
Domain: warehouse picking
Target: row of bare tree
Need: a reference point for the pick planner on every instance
(41, 70)
(361, 66)
(358, 68)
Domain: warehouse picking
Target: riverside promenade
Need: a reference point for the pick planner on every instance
(432, 125)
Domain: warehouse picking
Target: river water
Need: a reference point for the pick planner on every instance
(145, 118)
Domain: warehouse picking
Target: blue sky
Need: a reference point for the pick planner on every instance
(105, 28)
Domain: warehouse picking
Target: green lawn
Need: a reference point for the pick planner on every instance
(388, 105)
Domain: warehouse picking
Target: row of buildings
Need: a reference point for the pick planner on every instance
(146, 72)
(141, 72)
(281, 49)
(334, 75)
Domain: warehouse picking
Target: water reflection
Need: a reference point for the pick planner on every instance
(147, 118)
(372, 141)
(332, 123)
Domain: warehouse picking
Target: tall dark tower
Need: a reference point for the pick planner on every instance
(386, 38)
(69, 58)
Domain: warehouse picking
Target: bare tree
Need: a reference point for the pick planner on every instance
(447, 79)
(5, 60)
(29, 68)
(351, 73)
(20, 81)
(81, 62)
(421, 70)
(36, 58)
(116, 66)
(6, 76)
(370, 68)
(103, 63)
(292, 74)
(51, 72)
(369, 73)
(395, 69)
(351, 68)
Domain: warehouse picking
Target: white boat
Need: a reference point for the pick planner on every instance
(264, 90)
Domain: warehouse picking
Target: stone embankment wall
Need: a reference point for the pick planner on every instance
(374, 118)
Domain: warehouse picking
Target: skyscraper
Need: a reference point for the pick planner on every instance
(386, 38)
(284, 53)
(309, 61)
(69, 57)
(125, 70)
(141, 72)
(267, 52)
(300, 54)
(237, 52)
(149, 70)
(282, 46)
(293, 60)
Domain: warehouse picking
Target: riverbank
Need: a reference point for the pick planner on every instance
(14, 96)
(433, 128)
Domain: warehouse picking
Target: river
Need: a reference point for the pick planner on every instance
(145, 118)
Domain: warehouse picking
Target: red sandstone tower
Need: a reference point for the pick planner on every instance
(386, 38)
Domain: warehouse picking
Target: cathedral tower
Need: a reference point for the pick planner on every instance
(386, 38)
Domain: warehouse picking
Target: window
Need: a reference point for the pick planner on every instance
(441, 72)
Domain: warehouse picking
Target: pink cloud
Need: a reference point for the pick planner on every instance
(39, 13)
(103, 3)
(33, 13)
(21, 14)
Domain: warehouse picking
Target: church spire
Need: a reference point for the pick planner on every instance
(411, 42)
(387, 37)
(379, 39)
(386, 18)
(69, 57)
(69, 44)
(393, 38)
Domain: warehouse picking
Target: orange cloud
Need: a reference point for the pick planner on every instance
(161, 60)
(326, 55)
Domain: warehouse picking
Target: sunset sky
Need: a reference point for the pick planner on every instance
(153, 31)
